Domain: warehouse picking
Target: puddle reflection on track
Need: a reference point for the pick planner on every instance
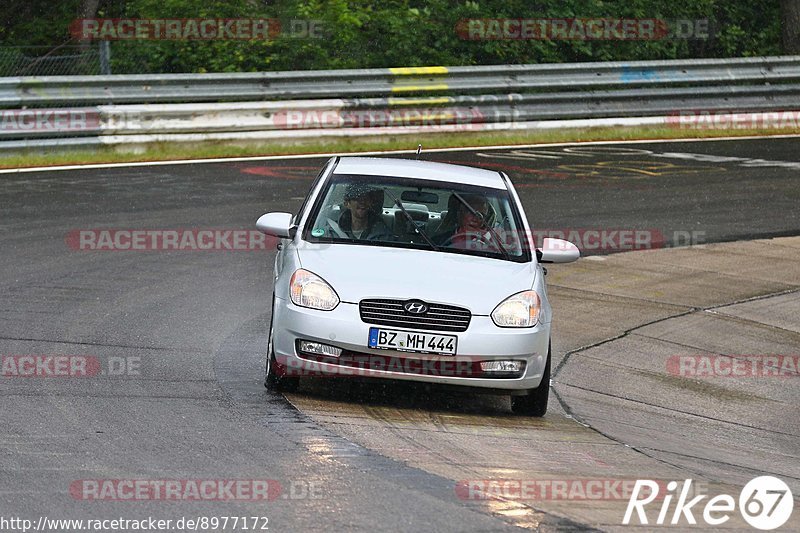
(408, 404)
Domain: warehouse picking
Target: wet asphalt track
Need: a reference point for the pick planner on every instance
(193, 325)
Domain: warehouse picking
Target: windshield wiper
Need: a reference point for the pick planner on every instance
(421, 233)
(481, 217)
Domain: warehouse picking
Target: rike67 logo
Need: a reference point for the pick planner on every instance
(765, 503)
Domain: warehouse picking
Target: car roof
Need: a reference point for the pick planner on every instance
(410, 168)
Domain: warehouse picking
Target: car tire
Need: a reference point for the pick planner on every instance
(275, 374)
(535, 402)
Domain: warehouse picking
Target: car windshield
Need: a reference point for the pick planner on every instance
(420, 214)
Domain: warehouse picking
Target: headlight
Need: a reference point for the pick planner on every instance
(518, 311)
(309, 290)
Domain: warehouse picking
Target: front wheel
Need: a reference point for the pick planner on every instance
(276, 378)
(535, 402)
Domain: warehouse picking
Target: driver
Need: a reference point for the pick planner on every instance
(359, 219)
(470, 231)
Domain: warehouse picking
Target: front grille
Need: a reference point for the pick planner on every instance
(439, 317)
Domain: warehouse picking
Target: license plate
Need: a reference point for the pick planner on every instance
(410, 341)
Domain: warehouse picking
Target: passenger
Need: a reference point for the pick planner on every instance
(359, 220)
(470, 230)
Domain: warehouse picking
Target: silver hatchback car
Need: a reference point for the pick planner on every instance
(412, 270)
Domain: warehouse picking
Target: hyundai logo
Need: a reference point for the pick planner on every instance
(416, 307)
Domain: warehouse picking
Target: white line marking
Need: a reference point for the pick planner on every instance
(377, 152)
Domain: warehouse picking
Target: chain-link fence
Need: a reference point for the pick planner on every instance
(72, 60)
(139, 57)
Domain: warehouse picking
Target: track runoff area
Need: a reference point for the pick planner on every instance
(134, 335)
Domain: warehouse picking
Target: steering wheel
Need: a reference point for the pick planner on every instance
(470, 237)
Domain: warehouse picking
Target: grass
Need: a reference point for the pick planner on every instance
(175, 151)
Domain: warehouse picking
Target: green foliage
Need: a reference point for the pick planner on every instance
(371, 33)
(36, 22)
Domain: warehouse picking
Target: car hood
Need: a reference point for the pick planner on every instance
(357, 272)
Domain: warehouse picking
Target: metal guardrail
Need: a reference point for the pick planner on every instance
(162, 88)
(129, 108)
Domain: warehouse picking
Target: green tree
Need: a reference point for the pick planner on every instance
(790, 26)
(371, 33)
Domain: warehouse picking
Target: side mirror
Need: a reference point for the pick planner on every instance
(277, 225)
(557, 251)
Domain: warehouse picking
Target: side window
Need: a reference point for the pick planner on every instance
(323, 172)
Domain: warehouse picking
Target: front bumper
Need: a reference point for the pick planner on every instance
(343, 328)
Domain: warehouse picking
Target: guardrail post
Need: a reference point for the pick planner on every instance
(105, 57)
